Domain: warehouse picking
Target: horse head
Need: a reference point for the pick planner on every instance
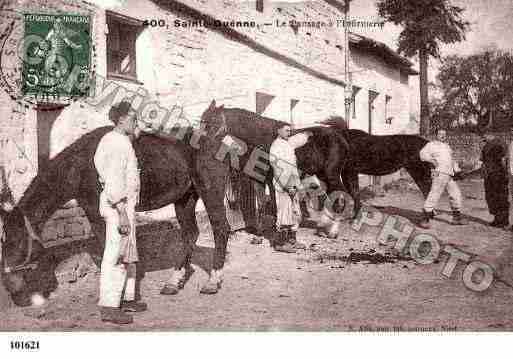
(20, 245)
(213, 121)
(19, 242)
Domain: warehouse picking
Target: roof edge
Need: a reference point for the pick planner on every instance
(382, 50)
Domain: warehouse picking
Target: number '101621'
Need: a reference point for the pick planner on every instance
(28, 345)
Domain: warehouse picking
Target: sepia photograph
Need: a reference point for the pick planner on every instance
(255, 166)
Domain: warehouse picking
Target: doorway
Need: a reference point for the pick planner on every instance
(45, 120)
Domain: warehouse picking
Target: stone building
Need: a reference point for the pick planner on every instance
(282, 60)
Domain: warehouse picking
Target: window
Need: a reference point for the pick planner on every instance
(121, 40)
(388, 118)
(262, 101)
(353, 100)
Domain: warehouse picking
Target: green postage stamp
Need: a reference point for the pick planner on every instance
(57, 55)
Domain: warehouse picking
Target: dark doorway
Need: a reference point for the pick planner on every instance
(45, 121)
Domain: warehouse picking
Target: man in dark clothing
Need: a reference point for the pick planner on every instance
(495, 180)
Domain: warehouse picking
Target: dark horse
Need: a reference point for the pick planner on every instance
(251, 136)
(381, 155)
(172, 171)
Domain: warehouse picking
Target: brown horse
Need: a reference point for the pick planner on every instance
(381, 155)
(249, 140)
(176, 169)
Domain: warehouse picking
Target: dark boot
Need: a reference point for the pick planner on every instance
(131, 306)
(282, 244)
(504, 219)
(426, 217)
(277, 239)
(500, 220)
(115, 315)
(292, 239)
(256, 240)
(457, 219)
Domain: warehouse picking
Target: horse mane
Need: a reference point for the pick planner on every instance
(259, 120)
(340, 124)
(256, 116)
(169, 136)
(354, 132)
(11, 221)
(6, 195)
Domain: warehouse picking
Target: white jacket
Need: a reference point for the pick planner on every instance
(439, 154)
(284, 162)
(116, 164)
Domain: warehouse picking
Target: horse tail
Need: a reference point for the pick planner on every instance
(337, 122)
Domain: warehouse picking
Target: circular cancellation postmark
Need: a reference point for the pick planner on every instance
(46, 58)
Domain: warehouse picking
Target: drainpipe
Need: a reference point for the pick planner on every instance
(348, 93)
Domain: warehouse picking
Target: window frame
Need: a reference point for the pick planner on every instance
(112, 17)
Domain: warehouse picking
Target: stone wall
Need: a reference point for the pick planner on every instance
(68, 223)
(467, 147)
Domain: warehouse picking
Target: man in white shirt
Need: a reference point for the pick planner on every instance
(439, 154)
(286, 183)
(116, 164)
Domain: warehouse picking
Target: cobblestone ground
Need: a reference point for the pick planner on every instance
(349, 283)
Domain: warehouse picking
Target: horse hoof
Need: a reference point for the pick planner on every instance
(210, 288)
(170, 289)
(189, 271)
(256, 240)
(321, 232)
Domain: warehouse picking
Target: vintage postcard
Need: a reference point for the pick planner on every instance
(191, 165)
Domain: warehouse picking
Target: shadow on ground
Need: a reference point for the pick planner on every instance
(415, 216)
(159, 244)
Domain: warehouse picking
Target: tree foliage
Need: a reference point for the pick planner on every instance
(476, 90)
(426, 24)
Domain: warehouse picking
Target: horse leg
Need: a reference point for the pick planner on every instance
(272, 194)
(185, 210)
(249, 206)
(98, 227)
(421, 174)
(351, 181)
(212, 187)
(260, 211)
(335, 196)
(273, 208)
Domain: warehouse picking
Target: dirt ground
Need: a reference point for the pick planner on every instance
(322, 288)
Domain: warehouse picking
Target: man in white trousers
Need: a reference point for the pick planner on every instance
(116, 164)
(287, 183)
(439, 154)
